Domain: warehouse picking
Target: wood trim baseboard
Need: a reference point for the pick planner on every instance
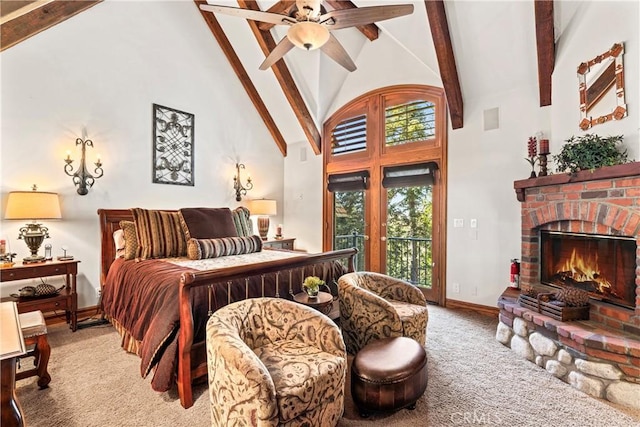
(56, 317)
(478, 308)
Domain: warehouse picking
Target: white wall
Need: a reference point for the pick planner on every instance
(102, 70)
(484, 164)
(598, 26)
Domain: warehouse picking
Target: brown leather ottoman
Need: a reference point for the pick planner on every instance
(388, 374)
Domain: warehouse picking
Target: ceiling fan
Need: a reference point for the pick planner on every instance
(310, 26)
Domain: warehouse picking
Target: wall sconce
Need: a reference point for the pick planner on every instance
(82, 178)
(241, 190)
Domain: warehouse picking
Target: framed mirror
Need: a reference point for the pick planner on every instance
(601, 87)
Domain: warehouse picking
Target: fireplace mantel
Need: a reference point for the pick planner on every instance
(608, 172)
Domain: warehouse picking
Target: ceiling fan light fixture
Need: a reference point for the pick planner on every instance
(308, 35)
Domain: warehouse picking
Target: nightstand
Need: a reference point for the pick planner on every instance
(66, 299)
(284, 243)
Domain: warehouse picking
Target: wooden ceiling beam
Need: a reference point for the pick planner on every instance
(284, 77)
(282, 7)
(39, 19)
(545, 42)
(370, 31)
(446, 60)
(243, 76)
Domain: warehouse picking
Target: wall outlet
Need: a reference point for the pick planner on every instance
(456, 288)
(458, 222)
(473, 223)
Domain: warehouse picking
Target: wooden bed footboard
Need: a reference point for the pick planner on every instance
(189, 281)
(192, 356)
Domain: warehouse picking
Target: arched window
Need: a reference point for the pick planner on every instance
(385, 183)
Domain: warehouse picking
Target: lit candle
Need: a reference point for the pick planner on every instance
(68, 159)
(98, 158)
(279, 230)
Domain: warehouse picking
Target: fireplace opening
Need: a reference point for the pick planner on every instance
(602, 265)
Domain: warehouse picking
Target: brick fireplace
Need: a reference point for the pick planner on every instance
(599, 209)
(604, 202)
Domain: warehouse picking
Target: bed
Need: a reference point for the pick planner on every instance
(160, 306)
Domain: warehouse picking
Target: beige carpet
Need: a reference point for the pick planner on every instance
(473, 380)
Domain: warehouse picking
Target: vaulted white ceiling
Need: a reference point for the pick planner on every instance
(494, 44)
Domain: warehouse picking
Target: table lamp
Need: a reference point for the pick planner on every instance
(34, 205)
(263, 208)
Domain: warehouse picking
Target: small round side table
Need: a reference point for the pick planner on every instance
(323, 302)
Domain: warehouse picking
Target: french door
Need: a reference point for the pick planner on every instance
(392, 228)
(385, 170)
(406, 248)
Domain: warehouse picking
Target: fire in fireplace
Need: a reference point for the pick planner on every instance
(602, 265)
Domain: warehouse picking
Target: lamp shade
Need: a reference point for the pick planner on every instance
(264, 207)
(308, 35)
(32, 205)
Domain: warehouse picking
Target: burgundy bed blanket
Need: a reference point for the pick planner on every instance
(143, 297)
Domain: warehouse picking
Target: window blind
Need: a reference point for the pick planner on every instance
(420, 174)
(414, 121)
(352, 181)
(349, 136)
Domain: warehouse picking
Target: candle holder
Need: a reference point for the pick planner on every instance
(543, 164)
(544, 152)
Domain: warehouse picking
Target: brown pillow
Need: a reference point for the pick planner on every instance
(207, 223)
(159, 234)
(130, 239)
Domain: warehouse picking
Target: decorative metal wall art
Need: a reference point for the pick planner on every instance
(172, 146)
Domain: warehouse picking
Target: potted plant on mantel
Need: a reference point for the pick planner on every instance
(590, 152)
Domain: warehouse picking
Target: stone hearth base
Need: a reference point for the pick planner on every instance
(568, 350)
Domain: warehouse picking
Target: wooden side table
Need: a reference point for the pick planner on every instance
(284, 243)
(323, 302)
(66, 299)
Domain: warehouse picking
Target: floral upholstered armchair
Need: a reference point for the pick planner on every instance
(273, 362)
(375, 306)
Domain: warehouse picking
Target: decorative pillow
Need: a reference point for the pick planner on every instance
(213, 248)
(118, 240)
(130, 239)
(207, 223)
(159, 234)
(242, 220)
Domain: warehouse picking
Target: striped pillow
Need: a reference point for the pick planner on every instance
(241, 220)
(159, 234)
(213, 248)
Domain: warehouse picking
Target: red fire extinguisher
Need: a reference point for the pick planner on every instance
(515, 273)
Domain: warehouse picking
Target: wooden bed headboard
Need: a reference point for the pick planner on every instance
(109, 223)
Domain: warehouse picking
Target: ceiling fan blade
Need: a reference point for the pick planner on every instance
(254, 15)
(335, 51)
(337, 19)
(277, 53)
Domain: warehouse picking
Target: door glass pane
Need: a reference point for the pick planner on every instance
(348, 227)
(409, 227)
